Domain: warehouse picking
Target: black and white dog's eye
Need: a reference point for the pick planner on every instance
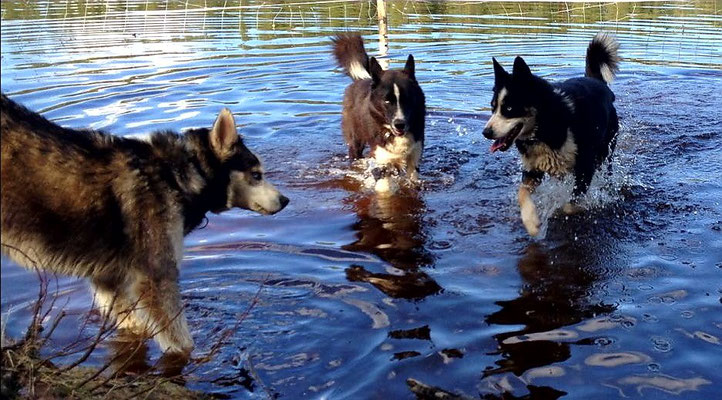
(508, 108)
(256, 176)
(387, 101)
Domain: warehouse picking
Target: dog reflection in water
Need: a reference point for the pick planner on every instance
(391, 227)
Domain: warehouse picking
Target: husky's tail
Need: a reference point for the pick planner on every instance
(351, 55)
(602, 58)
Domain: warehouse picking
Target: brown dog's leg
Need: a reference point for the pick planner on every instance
(412, 163)
(355, 150)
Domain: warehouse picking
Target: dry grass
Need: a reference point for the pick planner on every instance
(29, 372)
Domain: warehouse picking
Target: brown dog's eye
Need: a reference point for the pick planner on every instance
(256, 175)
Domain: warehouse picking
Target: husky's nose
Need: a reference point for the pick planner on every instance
(284, 202)
(400, 125)
(488, 133)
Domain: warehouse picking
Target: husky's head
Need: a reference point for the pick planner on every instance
(397, 98)
(513, 106)
(238, 177)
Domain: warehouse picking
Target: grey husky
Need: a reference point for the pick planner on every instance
(115, 210)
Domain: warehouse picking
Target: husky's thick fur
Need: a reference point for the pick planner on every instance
(385, 110)
(559, 128)
(115, 210)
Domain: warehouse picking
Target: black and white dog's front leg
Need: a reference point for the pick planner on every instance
(582, 180)
(529, 216)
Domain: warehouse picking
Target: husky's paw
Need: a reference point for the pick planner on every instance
(530, 219)
(571, 209)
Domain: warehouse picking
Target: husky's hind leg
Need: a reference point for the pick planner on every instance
(111, 299)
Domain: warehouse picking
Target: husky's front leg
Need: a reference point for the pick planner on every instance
(146, 306)
(161, 311)
(529, 216)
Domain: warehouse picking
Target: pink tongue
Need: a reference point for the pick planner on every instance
(498, 143)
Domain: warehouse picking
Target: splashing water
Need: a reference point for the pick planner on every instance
(606, 189)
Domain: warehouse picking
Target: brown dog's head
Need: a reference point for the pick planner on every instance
(397, 96)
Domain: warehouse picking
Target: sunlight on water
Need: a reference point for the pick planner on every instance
(359, 292)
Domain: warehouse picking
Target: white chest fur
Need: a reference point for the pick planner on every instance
(541, 157)
(401, 150)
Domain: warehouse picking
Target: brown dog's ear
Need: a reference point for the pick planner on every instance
(375, 70)
(410, 67)
(223, 134)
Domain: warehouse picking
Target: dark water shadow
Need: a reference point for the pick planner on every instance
(392, 228)
(128, 355)
(560, 283)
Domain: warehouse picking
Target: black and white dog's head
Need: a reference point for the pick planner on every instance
(237, 177)
(514, 105)
(397, 99)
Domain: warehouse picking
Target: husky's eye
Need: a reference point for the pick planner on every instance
(507, 108)
(256, 175)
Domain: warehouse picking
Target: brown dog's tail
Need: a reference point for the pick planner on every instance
(351, 55)
(602, 58)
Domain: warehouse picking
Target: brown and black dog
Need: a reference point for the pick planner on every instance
(115, 210)
(385, 110)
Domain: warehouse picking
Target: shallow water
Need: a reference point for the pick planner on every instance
(622, 300)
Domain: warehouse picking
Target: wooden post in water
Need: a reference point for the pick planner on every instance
(383, 33)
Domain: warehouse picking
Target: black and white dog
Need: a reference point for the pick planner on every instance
(385, 110)
(560, 128)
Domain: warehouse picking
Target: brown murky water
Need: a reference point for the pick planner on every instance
(359, 293)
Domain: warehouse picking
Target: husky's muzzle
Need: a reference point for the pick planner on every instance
(266, 199)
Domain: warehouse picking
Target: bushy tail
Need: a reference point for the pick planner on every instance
(602, 58)
(351, 55)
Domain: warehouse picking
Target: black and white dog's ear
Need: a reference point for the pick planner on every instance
(375, 70)
(521, 70)
(500, 75)
(223, 134)
(410, 67)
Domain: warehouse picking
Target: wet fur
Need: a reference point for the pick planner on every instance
(115, 210)
(567, 127)
(370, 107)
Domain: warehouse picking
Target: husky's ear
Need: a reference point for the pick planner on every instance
(521, 70)
(500, 75)
(410, 67)
(375, 70)
(223, 134)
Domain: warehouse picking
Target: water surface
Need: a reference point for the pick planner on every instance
(359, 293)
